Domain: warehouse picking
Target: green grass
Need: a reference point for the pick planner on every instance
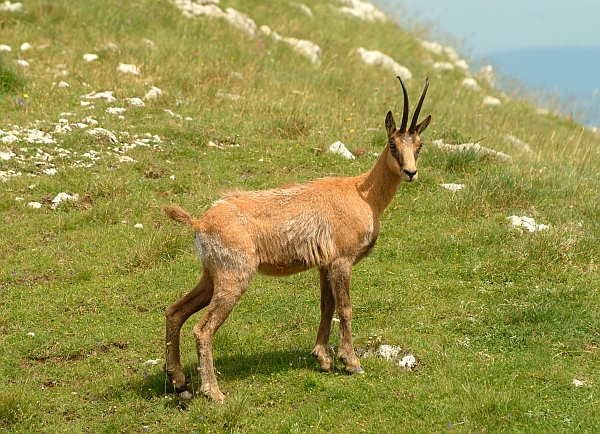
(500, 322)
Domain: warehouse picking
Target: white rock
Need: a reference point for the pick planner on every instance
(150, 361)
(115, 110)
(339, 148)
(111, 46)
(519, 144)
(19, 199)
(471, 84)
(267, 30)
(241, 22)
(62, 197)
(578, 383)
(387, 352)
(26, 46)
(527, 223)
(408, 362)
(305, 9)
(5, 175)
(4, 47)
(378, 58)
(170, 112)
(128, 69)
(10, 138)
(34, 205)
(107, 95)
(6, 155)
(432, 47)
(465, 147)
(90, 120)
(206, 8)
(11, 7)
(462, 64)
(136, 102)
(443, 66)
(141, 226)
(223, 95)
(150, 44)
(38, 136)
(451, 53)
(63, 84)
(453, 187)
(50, 172)
(104, 132)
(126, 159)
(153, 93)
(22, 62)
(491, 101)
(90, 57)
(487, 74)
(307, 48)
(186, 395)
(236, 19)
(363, 10)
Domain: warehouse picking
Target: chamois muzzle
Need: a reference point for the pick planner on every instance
(411, 174)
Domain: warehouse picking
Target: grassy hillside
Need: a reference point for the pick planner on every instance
(501, 321)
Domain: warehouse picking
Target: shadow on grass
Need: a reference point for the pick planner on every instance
(229, 368)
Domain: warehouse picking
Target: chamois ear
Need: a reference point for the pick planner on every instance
(390, 124)
(423, 125)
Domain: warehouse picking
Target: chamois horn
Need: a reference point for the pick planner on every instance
(413, 124)
(405, 111)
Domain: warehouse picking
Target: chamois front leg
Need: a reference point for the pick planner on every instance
(321, 350)
(176, 314)
(339, 279)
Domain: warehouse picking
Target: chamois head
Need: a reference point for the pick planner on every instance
(405, 144)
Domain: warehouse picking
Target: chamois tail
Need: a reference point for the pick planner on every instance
(179, 214)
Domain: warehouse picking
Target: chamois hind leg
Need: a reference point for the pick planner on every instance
(229, 287)
(339, 278)
(321, 350)
(176, 314)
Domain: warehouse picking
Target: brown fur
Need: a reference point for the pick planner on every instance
(329, 223)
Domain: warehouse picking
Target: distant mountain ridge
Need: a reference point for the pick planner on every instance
(572, 71)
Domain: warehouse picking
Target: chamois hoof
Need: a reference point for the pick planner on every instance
(324, 359)
(217, 396)
(358, 370)
(177, 380)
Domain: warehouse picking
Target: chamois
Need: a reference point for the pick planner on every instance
(329, 223)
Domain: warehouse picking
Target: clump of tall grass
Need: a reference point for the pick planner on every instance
(10, 80)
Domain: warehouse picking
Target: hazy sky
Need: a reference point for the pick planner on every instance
(489, 26)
